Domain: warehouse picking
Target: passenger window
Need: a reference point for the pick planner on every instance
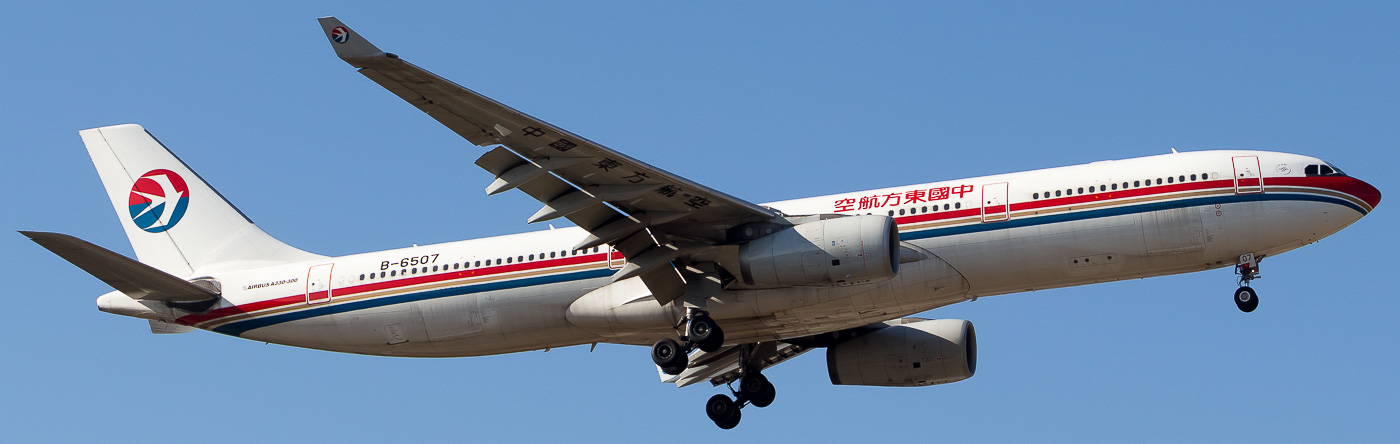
(393, 272)
(532, 257)
(1137, 184)
(413, 271)
(362, 276)
(1035, 195)
(1193, 177)
(1159, 181)
(1081, 190)
(1181, 178)
(925, 209)
(551, 255)
(508, 260)
(945, 207)
(901, 211)
(1057, 193)
(1103, 187)
(521, 258)
(595, 249)
(381, 274)
(1169, 180)
(435, 268)
(957, 205)
(1115, 186)
(891, 212)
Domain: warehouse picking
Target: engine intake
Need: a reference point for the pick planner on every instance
(909, 355)
(824, 253)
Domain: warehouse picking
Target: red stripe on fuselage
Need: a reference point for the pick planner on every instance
(396, 283)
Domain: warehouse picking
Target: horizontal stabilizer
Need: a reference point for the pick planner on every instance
(135, 279)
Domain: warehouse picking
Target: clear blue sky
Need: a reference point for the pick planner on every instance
(765, 102)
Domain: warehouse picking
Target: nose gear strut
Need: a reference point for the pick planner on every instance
(1248, 270)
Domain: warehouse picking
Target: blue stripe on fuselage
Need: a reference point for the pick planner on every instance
(237, 328)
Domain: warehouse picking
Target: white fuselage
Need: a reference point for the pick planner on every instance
(964, 239)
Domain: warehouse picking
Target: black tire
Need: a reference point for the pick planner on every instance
(765, 398)
(738, 414)
(751, 387)
(705, 333)
(668, 354)
(722, 410)
(1246, 299)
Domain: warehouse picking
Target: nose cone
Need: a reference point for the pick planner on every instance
(1368, 193)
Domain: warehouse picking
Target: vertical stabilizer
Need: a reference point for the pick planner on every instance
(175, 221)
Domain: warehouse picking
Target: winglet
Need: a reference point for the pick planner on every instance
(349, 45)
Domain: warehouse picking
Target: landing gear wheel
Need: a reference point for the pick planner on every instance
(705, 334)
(723, 411)
(668, 354)
(1246, 299)
(757, 390)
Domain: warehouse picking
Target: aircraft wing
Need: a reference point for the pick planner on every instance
(652, 216)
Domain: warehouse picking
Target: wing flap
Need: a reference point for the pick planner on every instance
(722, 366)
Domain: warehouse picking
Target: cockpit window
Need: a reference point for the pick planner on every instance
(1322, 170)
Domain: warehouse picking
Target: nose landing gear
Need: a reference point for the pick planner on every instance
(1248, 270)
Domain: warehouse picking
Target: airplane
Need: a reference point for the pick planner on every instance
(720, 288)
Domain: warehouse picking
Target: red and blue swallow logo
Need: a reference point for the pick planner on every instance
(158, 200)
(340, 34)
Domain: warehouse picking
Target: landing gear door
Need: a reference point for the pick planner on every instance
(318, 284)
(1247, 175)
(995, 205)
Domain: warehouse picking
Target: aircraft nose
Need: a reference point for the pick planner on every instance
(1368, 193)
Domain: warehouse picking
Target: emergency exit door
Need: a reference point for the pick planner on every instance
(995, 204)
(318, 284)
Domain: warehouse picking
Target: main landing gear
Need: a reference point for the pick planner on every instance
(700, 332)
(1248, 270)
(754, 389)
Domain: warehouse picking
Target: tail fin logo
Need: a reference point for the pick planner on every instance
(340, 34)
(158, 200)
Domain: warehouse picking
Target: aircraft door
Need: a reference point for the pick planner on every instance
(318, 284)
(615, 259)
(1247, 175)
(995, 205)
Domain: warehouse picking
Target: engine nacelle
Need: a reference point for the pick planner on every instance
(909, 355)
(824, 253)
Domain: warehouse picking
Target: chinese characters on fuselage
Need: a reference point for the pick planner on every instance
(896, 199)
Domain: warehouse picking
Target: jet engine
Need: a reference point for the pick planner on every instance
(915, 354)
(824, 253)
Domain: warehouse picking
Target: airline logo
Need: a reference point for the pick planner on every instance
(158, 200)
(340, 34)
